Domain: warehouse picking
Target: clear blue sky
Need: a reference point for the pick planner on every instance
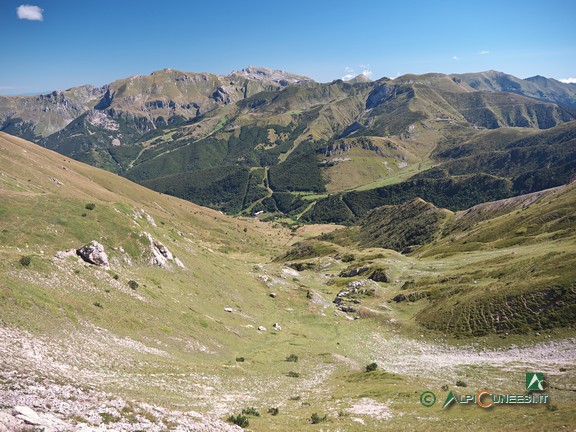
(95, 42)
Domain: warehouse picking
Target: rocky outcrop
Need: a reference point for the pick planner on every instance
(379, 275)
(161, 256)
(93, 253)
(24, 418)
(353, 294)
(353, 272)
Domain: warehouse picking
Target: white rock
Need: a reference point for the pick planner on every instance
(262, 328)
(150, 219)
(94, 253)
(28, 415)
(229, 309)
(160, 253)
(290, 272)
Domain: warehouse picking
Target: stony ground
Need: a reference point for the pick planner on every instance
(54, 387)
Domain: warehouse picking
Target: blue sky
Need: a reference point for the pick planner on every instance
(95, 42)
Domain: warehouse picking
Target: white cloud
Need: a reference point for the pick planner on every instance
(568, 80)
(29, 12)
(484, 52)
(350, 73)
(456, 58)
(366, 71)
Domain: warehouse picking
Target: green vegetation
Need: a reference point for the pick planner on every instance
(251, 411)
(315, 418)
(25, 260)
(90, 206)
(300, 172)
(292, 358)
(239, 420)
(371, 367)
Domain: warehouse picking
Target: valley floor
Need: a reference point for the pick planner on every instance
(86, 378)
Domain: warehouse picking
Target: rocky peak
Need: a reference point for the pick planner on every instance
(275, 75)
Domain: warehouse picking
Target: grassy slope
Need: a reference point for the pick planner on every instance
(171, 343)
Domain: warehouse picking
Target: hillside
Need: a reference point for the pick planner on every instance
(166, 335)
(279, 133)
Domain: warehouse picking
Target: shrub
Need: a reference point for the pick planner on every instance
(251, 411)
(90, 206)
(133, 284)
(238, 420)
(115, 277)
(273, 411)
(371, 367)
(347, 258)
(98, 304)
(25, 260)
(292, 358)
(295, 398)
(293, 374)
(445, 387)
(460, 383)
(315, 418)
(240, 359)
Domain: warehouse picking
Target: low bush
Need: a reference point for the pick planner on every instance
(239, 420)
(292, 358)
(371, 367)
(315, 418)
(251, 411)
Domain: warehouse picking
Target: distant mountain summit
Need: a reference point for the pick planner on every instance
(360, 78)
(264, 74)
(537, 87)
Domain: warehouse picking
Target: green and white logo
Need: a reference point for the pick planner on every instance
(535, 381)
(451, 398)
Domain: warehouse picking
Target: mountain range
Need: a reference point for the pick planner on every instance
(317, 152)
